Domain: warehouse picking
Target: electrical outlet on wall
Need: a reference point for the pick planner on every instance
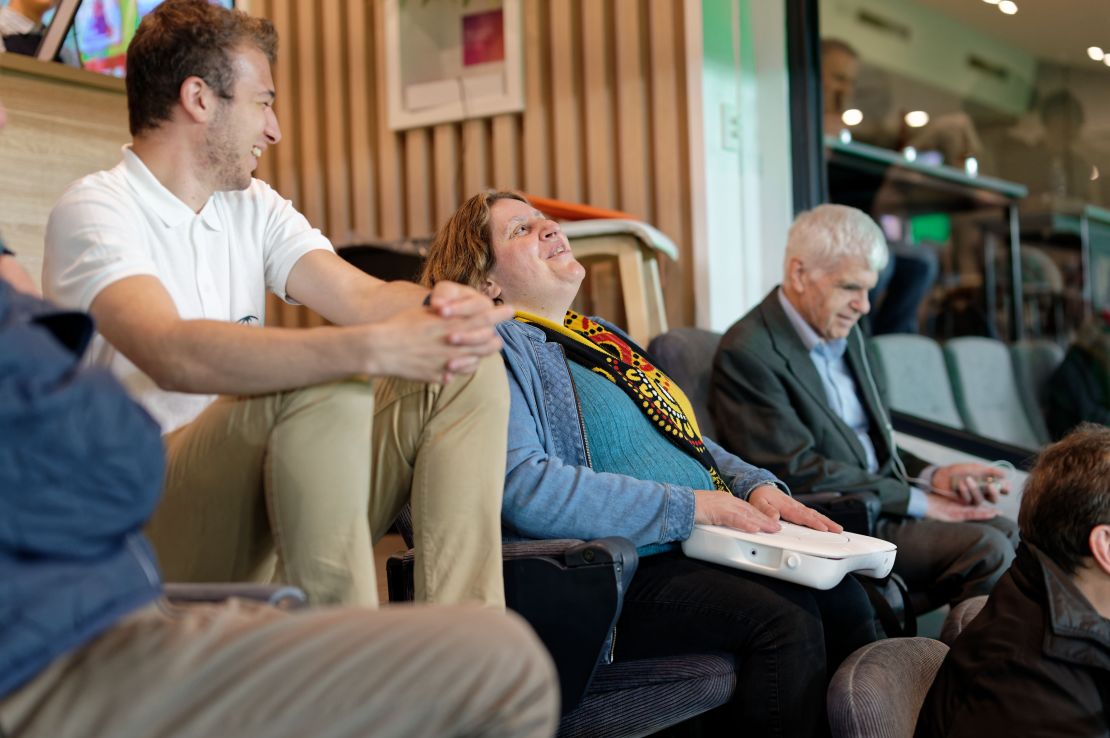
(730, 127)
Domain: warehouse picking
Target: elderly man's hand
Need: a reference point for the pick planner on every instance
(942, 508)
(772, 501)
(971, 483)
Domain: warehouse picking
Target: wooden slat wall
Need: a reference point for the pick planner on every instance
(61, 126)
(604, 123)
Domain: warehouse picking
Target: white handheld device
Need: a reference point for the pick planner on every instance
(795, 553)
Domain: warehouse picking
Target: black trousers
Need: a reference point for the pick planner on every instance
(787, 639)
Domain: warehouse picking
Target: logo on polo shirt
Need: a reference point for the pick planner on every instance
(248, 320)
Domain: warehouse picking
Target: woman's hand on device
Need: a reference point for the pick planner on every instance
(771, 500)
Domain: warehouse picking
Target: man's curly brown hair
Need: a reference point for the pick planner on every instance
(182, 39)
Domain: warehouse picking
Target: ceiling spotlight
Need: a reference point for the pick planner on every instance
(852, 117)
(1095, 53)
(917, 118)
(1009, 7)
(1106, 60)
(991, 2)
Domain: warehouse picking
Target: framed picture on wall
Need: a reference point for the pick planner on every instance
(450, 60)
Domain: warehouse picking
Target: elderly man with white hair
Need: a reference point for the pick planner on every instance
(793, 392)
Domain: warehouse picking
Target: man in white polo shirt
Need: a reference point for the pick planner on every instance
(284, 459)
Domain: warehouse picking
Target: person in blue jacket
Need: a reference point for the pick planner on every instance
(88, 646)
(602, 443)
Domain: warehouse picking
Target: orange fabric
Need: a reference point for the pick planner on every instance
(563, 210)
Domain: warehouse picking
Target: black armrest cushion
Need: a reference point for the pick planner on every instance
(569, 591)
(856, 511)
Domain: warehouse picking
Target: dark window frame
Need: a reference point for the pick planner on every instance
(803, 63)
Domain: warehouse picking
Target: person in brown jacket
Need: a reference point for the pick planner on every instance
(1036, 661)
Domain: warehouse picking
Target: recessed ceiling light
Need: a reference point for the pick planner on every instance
(1009, 7)
(852, 117)
(1106, 60)
(1095, 53)
(917, 118)
(991, 2)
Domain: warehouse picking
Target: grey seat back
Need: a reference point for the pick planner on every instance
(986, 390)
(961, 615)
(686, 356)
(1034, 361)
(917, 377)
(878, 691)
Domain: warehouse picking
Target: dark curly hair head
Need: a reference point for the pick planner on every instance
(182, 39)
(1067, 494)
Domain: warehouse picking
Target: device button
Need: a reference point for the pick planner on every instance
(792, 561)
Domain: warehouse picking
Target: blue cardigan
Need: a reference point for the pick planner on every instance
(550, 489)
(80, 472)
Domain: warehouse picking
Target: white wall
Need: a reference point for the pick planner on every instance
(740, 184)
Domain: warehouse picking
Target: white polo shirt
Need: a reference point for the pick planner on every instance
(216, 264)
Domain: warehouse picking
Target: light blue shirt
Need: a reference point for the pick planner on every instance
(843, 395)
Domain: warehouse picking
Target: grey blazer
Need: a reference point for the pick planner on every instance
(770, 407)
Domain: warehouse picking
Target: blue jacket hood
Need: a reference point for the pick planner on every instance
(80, 472)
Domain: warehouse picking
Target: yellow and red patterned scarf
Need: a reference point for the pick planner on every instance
(596, 347)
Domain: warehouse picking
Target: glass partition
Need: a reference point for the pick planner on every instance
(978, 134)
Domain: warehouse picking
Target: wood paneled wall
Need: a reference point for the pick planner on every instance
(62, 124)
(604, 123)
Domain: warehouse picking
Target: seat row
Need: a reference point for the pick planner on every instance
(976, 384)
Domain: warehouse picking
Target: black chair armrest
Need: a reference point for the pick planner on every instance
(283, 596)
(611, 550)
(961, 440)
(549, 547)
(569, 591)
(856, 511)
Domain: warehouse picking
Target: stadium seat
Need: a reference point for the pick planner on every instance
(1034, 362)
(986, 390)
(961, 615)
(916, 377)
(878, 691)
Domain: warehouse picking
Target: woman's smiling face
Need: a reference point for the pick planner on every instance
(533, 267)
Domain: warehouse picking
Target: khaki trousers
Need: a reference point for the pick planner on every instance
(242, 669)
(296, 486)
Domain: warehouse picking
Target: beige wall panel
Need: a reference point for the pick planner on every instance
(537, 149)
(632, 117)
(57, 131)
(390, 158)
(307, 52)
(445, 181)
(266, 167)
(598, 96)
(566, 100)
(361, 132)
(336, 123)
(418, 182)
(476, 138)
(665, 30)
(505, 150)
(284, 155)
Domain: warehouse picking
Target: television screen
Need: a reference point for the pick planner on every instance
(94, 34)
(102, 29)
